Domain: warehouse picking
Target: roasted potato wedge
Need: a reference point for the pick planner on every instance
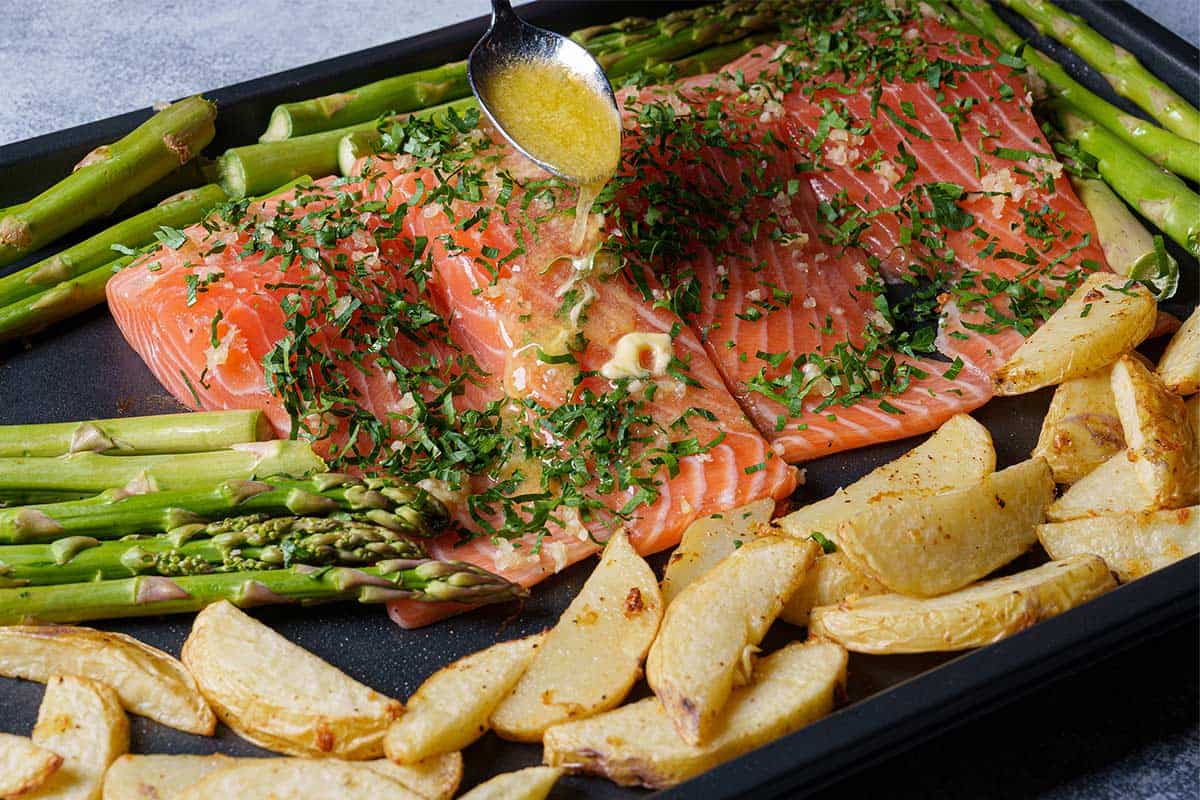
(959, 454)
(707, 541)
(715, 623)
(1161, 442)
(590, 659)
(451, 708)
(831, 579)
(1081, 429)
(148, 681)
(159, 777)
(532, 783)
(308, 707)
(1111, 488)
(1100, 321)
(1132, 545)
(82, 721)
(1192, 407)
(638, 744)
(1179, 366)
(933, 544)
(435, 778)
(24, 765)
(298, 779)
(980, 614)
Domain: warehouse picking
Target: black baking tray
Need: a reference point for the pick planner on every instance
(84, 369)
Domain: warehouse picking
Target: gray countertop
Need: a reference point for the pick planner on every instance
(1127, 728)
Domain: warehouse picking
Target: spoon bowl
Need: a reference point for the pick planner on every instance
(510, 41)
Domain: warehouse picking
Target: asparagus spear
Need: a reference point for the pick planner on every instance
(1157, 195)
(25, 480)
(392, 504)
(97, 251)
(232, 545)
(164, 433)
(1129, 248)
(1119, 67)
(623, 46)
(147, 595)
(108, 176)
(1164, 148)
(74, 296)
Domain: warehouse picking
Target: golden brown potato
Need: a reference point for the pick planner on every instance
(637, 745)
(831, 579)
(959, 454)
(1179, 366)
(716, 623)
(435, 778)
(972, 617)
(933, 544)
(1111, 488)
(1100, 321)
(307, 708)
(148, 681)
(451, 708)
(1132, 545)
(1161, 442)
(533, 783)
(707, 541)
(82, 721)
(24, 765)
(1081, 429)
(592, 657)
(298, 779)
(159, 777)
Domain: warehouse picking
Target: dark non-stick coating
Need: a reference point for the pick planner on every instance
(84, 369)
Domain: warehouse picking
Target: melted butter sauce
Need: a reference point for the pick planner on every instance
(560, 120)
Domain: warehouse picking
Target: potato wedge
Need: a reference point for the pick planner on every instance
(707, 541)
(933, 544)
(831, 579)
(1099, 322)
(1179, 366)
(435, 778)
(280, 696)
(1192, 407)
(24, 765)
(1162, 444)
(148, 681)
(1132, 545)
(532, 783)
(980, 614)
(1081, 429)
(590, 659)
(82, 721)
(1111, 488)
(298, 779)
(638, 745)
(715, 623)
(159, 777)
(959, 454)
(451, 708)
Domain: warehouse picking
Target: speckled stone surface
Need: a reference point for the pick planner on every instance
(1126, 728)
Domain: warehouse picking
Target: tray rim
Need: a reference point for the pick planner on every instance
(900, 717)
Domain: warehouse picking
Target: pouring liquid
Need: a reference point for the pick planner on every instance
(560, 120)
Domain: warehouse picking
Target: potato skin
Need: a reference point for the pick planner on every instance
(1081, 429)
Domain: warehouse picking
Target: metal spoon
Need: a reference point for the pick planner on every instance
(509, 39)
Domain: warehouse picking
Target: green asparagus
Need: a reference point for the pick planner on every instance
(78, 475)
(97, 251)
(1157, 195)
(164, 433)
(108, 176)
(237, 544)
(1179, 155)
(1119, 67)
(1129, 248)
(621, 47)
(37, 312)
(146, 595)
(392, 504)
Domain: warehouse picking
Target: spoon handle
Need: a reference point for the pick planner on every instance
(502, 11)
